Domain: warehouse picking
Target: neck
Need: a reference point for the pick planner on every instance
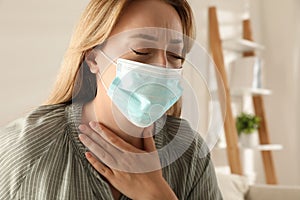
(100, 112)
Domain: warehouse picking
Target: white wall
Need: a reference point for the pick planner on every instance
(280, 25)
(33, 36)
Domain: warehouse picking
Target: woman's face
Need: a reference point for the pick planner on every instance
(165, 51)
(142, 14)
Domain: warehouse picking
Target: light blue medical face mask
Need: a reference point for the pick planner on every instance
(142, 92)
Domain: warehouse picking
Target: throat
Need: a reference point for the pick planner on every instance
(123, 129)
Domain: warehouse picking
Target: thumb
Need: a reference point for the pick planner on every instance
(149, 144)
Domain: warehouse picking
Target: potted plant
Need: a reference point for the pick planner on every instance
(247, 125)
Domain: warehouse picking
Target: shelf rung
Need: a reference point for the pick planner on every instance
(241, 45)
(269, 147)
(261, 147)
(249, 91)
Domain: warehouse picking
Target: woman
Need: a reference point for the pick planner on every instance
(43, 156)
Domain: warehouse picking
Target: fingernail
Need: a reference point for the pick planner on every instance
(93, 124)
(88, 155)
(81, 136)
(82, 127)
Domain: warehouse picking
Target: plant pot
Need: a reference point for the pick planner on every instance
(249, 140)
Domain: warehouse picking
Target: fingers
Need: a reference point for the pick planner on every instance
(149, 144)
(99, 151)
(113, 139)
(101, 168)
(97, 138)
(116, 153)
(99, 132)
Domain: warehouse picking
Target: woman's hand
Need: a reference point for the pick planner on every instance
(134, 172)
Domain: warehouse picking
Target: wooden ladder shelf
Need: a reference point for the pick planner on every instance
(231, 135)
(263, 131)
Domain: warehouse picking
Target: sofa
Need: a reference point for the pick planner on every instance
(235, 187)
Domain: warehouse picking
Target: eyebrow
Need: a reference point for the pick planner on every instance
(152, 38)
(176, 41)
(144, 36)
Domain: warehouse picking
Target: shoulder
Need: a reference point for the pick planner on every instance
(38, 119)
(24, 140)
(43, 122)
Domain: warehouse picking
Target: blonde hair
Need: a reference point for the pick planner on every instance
(95, 26)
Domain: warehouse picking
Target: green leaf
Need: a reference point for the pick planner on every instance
(247, 123)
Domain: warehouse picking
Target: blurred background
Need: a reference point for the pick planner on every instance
(35, 34)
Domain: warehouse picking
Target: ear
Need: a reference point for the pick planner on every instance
(90, 59)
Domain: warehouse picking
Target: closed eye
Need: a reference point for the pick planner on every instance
(176, 56)
(139, 53)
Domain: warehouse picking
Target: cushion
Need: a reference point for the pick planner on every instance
(233, 187)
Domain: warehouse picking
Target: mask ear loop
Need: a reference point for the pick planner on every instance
(99, 73)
